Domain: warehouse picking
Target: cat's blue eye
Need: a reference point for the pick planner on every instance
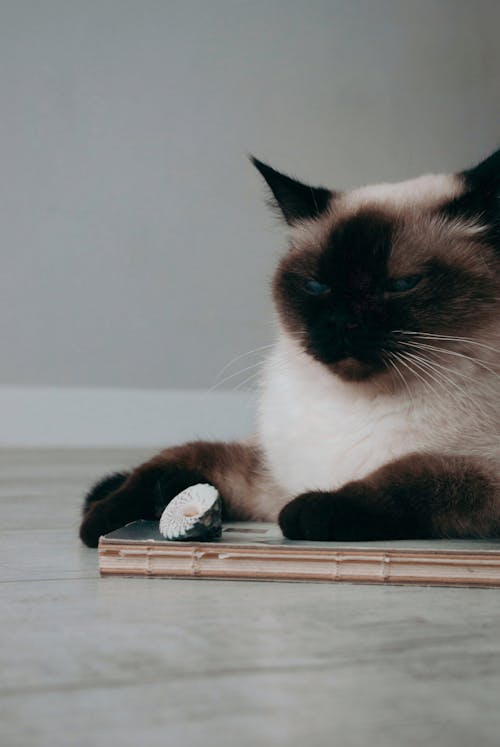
(400, 285)
(315, 288)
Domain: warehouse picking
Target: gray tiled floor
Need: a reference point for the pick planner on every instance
(86, 661)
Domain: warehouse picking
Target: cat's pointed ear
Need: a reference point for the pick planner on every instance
(481, 199)
(485, 177)
(295, 200)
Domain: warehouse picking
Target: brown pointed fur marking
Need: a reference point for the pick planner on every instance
(444, 229)
(235, 469)
(420, 496)
(357, 255)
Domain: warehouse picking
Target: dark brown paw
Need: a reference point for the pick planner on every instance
(104, 487)
(95, 524)
(144, 495)
(343, 515)
(307, 517)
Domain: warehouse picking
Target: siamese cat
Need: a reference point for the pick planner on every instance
(379, 413)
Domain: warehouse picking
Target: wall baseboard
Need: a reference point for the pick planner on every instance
(78, 417)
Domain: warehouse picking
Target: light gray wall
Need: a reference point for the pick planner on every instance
(136, 248)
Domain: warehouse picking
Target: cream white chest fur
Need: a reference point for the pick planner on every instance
(319, 432)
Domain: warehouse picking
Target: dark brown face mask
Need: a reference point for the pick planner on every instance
(368, 269)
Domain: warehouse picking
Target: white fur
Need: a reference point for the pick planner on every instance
(319, 432)
(424, 190)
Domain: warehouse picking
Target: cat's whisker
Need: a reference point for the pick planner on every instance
(387, 356)
(431, 368)
(452, 371)
(250, 378)
(458, 396)
(436, 358)
(435, 348)
(412, 370)
(293, 355)
(233, 375)
(450, 338)
(275, 364)
(242, 355)
(438, 376)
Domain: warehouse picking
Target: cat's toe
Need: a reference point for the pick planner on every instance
(289, 520)
(307, 517)
(94, 525)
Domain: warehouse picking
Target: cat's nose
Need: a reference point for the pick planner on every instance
(344, 322)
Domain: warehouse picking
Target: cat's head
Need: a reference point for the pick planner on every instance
(389, 276)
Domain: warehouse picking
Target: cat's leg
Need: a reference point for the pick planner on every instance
(418, 496)
(103, 488)
(235, 469)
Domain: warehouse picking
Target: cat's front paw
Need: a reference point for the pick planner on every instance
(143, 495)
(343, 515)
(96, 522)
